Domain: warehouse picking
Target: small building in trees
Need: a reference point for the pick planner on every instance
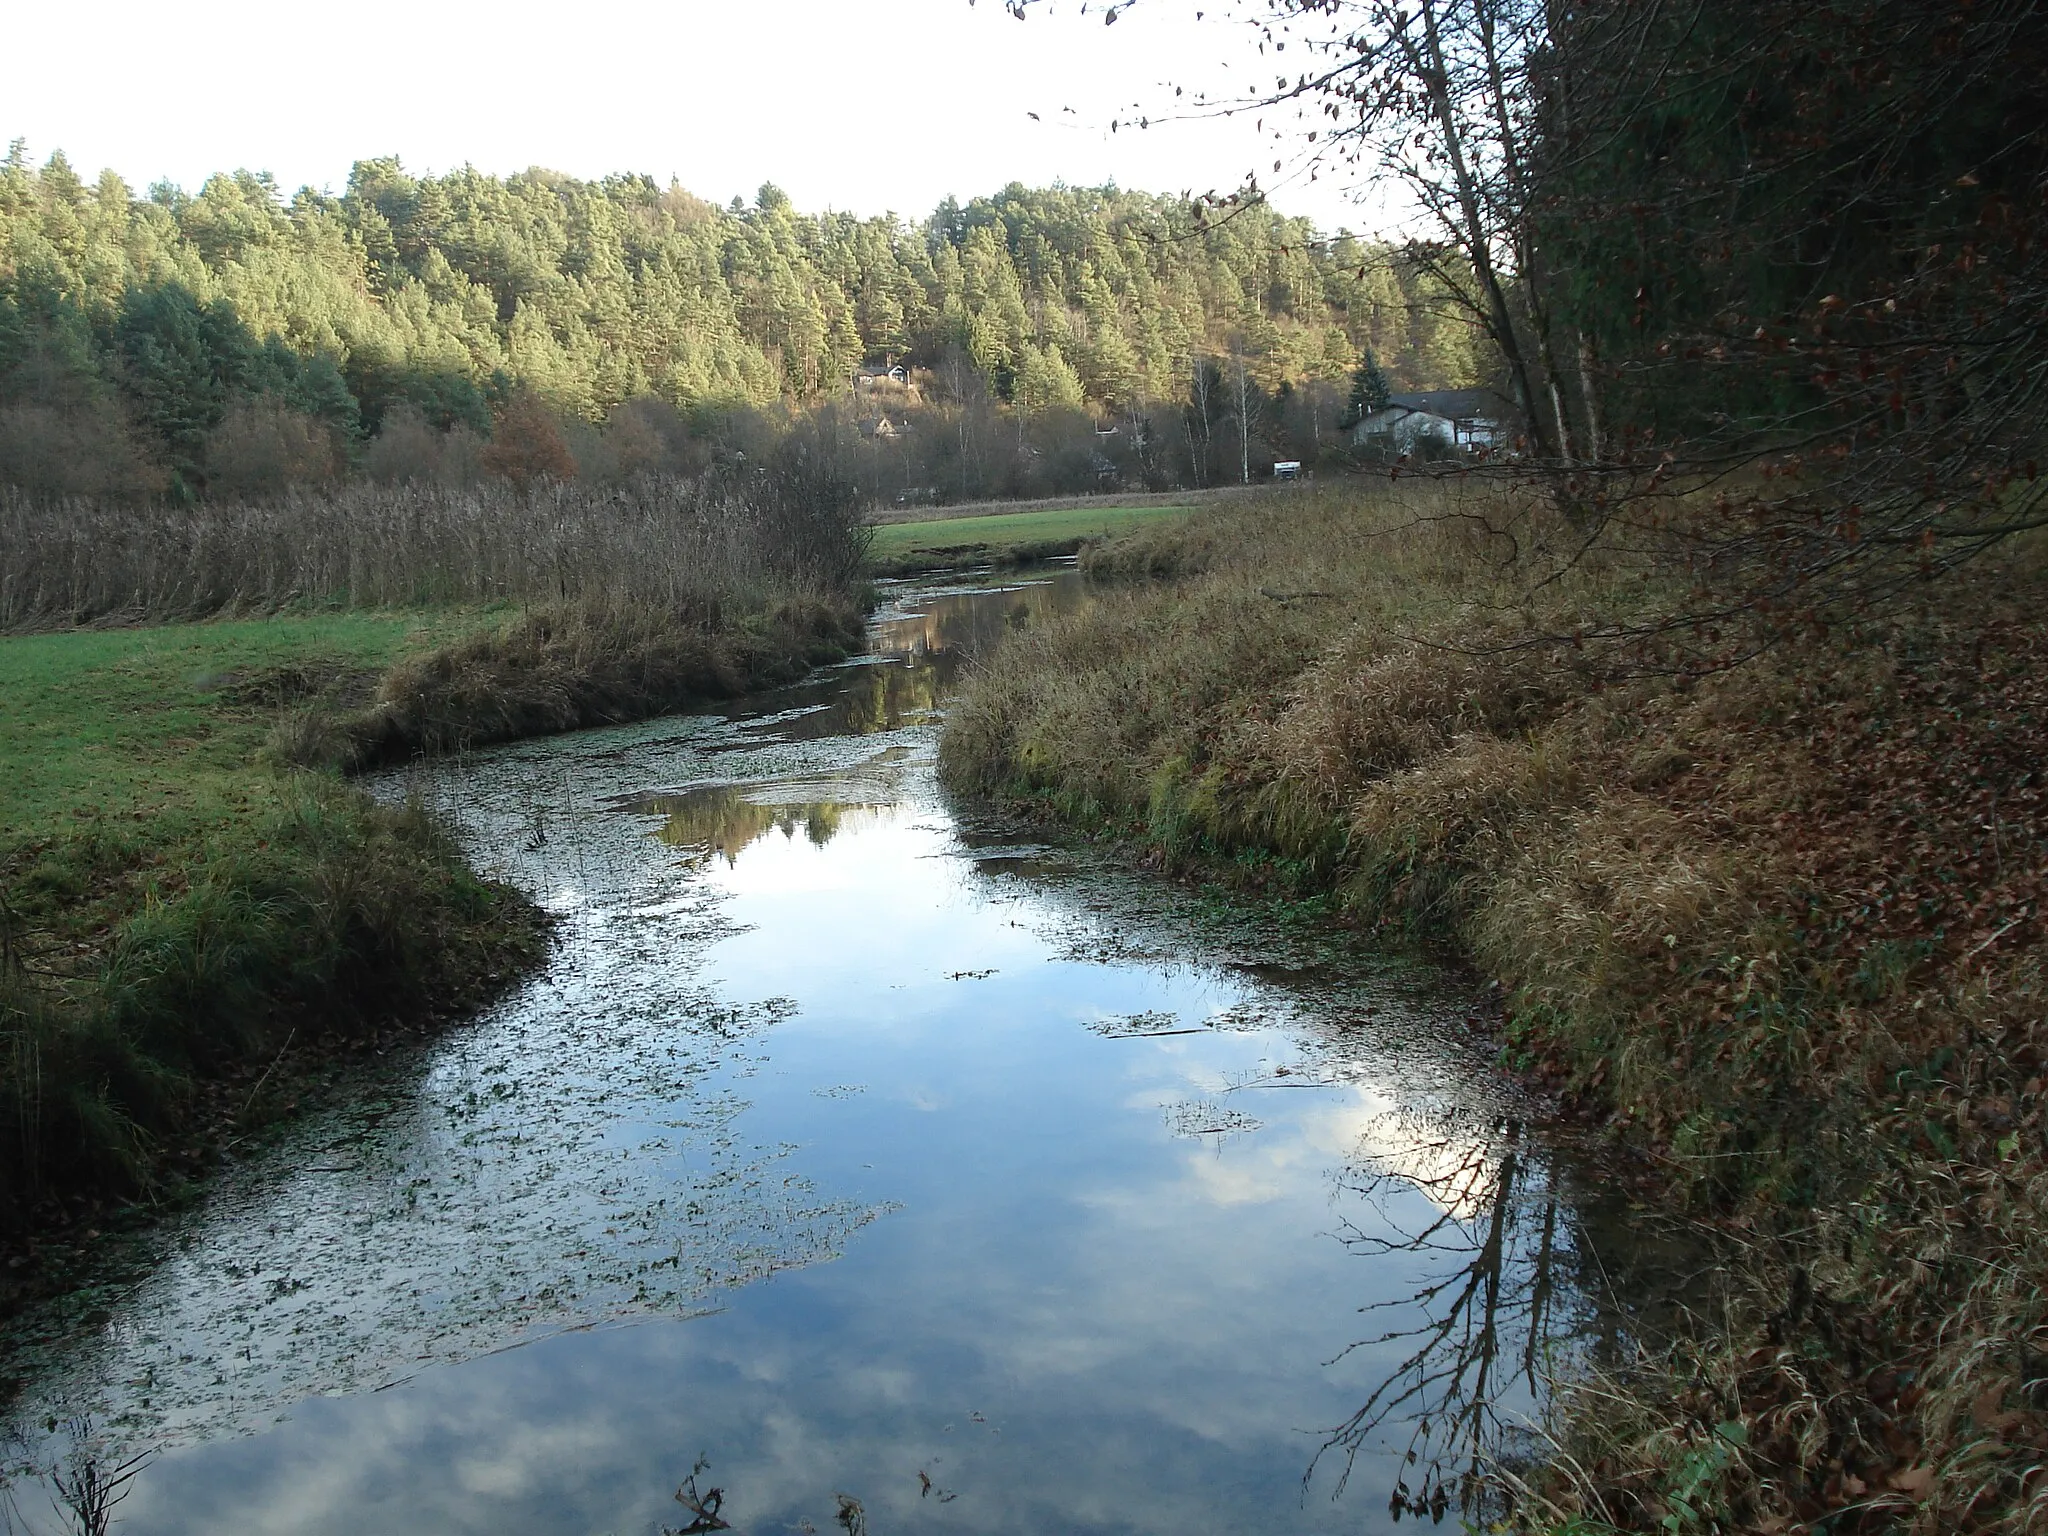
(1397, 430)
(1465, 419)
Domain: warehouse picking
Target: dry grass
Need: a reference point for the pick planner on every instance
(563, 667)
(664, 542)
(1781, 924)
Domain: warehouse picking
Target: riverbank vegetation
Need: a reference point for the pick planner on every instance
(1778, 925)
(174, 916)
(184, 902)
(1709, 720)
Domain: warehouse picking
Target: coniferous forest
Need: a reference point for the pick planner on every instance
(233, 341)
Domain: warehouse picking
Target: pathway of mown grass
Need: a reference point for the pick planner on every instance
(995, 534)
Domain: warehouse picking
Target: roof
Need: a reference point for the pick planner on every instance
(1456, 404)
(1397, 410)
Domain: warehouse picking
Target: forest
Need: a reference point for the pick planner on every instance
(234, 341)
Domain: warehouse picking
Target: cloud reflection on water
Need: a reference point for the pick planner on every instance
(1150, 1315)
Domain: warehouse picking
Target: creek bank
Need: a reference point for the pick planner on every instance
(568, 667)
(324, 924)
(1780, 925)
(171, 979)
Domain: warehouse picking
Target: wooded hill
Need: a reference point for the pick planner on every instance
(130, 327)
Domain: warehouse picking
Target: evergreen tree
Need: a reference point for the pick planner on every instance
(1046, 382)
(1369, 390)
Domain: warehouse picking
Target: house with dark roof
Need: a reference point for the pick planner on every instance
(1467, 419)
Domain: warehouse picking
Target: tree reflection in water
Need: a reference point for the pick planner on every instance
(723, 820)
(1506, 1303)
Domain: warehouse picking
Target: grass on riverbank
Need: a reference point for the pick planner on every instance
(179, 901)
(1006, 537)
(175, 913)
(1784, 923)
(178, 905)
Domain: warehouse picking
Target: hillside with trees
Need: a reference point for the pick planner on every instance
(233, 341)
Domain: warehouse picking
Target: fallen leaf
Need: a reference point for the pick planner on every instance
(1912, 1481)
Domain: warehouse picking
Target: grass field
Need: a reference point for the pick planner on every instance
(994, 534)
(166, 723)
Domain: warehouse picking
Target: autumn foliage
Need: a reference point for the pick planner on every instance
(527, 447)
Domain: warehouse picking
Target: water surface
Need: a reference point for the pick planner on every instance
(872, 1163)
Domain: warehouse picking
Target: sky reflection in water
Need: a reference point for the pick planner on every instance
(1127, 1198)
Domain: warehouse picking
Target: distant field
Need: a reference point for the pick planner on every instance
(995, 532)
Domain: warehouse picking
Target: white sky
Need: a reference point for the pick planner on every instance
(864, 105)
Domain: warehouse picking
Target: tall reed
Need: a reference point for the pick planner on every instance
(662, 541)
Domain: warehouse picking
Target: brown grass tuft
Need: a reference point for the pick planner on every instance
(566, 667)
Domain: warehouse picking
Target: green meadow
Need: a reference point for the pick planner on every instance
(1002, 533)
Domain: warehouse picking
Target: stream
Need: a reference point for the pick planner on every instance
(859, 1162)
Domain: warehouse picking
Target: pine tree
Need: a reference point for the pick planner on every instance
(1369, 390)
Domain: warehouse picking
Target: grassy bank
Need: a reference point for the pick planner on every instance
(177, 914)
(185, 909)
(884, 514)
(1007, 537)
(1780, 924)
(181, 902)
(563, 667)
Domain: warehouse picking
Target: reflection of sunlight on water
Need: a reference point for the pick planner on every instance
(1455, 1166)
(1456, 1169)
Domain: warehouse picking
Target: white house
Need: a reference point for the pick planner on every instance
(1467, 419)
(1398, 428)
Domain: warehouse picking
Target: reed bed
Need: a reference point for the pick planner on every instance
(667, 543)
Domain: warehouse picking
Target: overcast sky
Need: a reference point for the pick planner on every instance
(863, 105)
